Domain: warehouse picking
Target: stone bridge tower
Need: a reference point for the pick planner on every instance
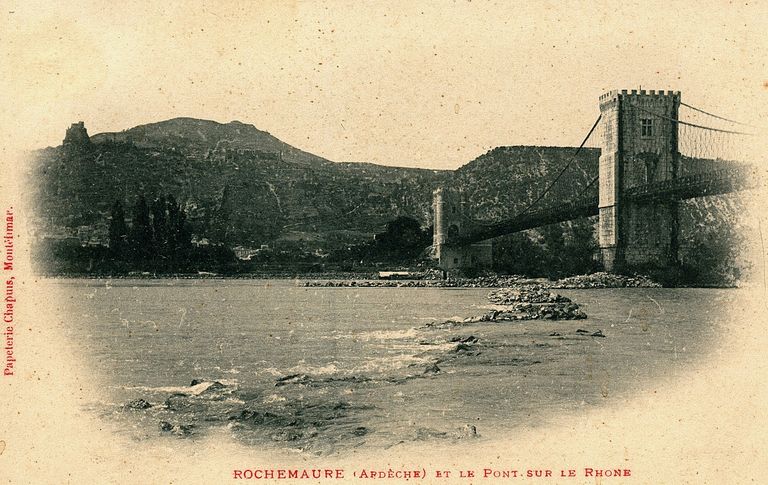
(450, 224)
(639, 146)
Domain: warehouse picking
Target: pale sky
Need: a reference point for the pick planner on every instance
(398, 83)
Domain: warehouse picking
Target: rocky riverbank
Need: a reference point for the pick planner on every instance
(480, 282)
(595, 280)
(429, 279)
(605, 280)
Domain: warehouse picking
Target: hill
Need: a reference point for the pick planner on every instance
(238, 184)
(505, 180)
(205, 138)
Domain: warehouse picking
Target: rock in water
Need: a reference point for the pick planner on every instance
(525, 294)
(469, 431)
(166, 426)
(183, 429)
(462, 348)
(287, 435)
(138, 404)
(213, 386)
(533, 302)
(292, 379)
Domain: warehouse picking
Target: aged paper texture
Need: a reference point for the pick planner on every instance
(130, 371)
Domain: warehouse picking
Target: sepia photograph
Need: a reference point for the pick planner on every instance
(346, 242)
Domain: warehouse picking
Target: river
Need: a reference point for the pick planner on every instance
(327, 370)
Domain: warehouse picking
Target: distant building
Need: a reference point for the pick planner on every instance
(77, 135)
(244, 253)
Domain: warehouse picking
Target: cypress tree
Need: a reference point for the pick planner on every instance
(118, 232)
(160, 227)
(141, 232)
(179, 236)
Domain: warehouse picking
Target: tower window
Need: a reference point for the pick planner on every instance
(453, 209)
(646, 127)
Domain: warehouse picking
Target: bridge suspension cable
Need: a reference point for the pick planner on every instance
(702, 147)
(681, 122)
(708, 161)
(588, 186)
(716, 116)
(705, 141)
(562, 171)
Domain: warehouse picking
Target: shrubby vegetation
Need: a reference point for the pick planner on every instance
(159, 237)
(403, 242)
(711, 257)
(157, 240)
(552, 251)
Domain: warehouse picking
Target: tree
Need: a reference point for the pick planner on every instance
(178, 234)
(159, 237)
(402, 240)
(558, 250)
(221, 218)
(118, 232)
(712, 257)
(553, 238)
(518, 254)
(141, 232)
(160, 227)
(580, 248)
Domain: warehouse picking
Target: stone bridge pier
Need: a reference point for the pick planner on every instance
(638, 146)
(450, 224)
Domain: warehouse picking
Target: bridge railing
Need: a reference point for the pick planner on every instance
(696, 185)
(582, 207)
(690, 186)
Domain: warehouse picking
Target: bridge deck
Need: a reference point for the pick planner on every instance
(688, 187)
(692, 186)
(565, 212)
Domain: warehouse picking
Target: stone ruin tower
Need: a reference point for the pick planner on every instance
(76, 136)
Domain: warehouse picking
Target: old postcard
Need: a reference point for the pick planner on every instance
(354, 242)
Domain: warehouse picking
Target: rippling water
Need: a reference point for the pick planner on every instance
(325, 370)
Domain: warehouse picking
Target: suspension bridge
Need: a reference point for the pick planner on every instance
(655, 151)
